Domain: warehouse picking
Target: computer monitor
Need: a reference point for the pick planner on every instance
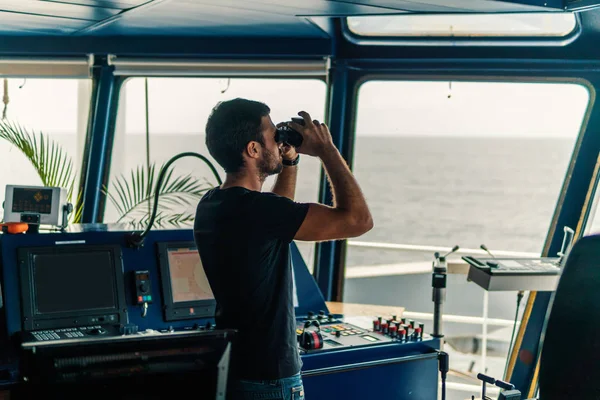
(72, 285)
(186, 291)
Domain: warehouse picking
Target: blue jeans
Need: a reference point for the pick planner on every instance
(280, 389)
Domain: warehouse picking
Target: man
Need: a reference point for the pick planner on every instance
(243, 237)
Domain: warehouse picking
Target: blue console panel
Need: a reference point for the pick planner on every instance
(89, 286)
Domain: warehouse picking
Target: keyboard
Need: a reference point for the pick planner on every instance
(517, 266)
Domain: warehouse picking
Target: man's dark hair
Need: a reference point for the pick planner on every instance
(230, 126)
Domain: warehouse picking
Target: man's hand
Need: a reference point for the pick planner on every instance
(289, 152)
(316, 136)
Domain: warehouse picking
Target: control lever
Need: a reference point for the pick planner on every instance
(311, 340)
(485, 379)
(438, 283)
(566, 244)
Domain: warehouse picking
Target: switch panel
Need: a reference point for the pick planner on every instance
(143, 287)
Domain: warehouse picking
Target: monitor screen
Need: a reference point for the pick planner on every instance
(73, 282)
(72, 285)
(186, 291)
(188, 279)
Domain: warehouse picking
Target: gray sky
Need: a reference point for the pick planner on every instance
(385, 108)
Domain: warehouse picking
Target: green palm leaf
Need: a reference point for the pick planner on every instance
(133, 195)
(51, 162)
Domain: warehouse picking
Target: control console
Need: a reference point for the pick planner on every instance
(330, 332)
(497, 274)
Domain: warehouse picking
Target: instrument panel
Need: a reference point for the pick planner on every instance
(73, 294)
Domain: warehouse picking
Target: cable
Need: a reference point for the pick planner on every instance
(520, 295)
(137, 240)
(444, 366)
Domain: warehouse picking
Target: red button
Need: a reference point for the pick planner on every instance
(140, 299)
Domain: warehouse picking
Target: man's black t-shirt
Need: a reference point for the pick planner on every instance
(243, 238)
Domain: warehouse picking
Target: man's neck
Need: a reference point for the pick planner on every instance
(243, 179)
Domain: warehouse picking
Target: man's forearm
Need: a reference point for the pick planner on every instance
(285, 184)
(346, 191)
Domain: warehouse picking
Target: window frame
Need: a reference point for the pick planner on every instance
(462, 41)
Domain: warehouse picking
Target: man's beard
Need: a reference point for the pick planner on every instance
(269, 165)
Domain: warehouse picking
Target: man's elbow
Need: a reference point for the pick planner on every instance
(362, 225)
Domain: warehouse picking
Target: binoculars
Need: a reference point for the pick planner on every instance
(288, 135)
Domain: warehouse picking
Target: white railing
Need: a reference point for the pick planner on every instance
(439, 249)
(424, 267)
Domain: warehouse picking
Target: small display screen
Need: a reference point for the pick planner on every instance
(188, 279)
(370, 338)
(37, 201)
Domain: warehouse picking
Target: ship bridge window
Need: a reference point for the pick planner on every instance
(457, 163)
(43, 126)
(547, 24)
(173, 122)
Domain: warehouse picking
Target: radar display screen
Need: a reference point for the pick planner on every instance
(188, 280)
(27, 200)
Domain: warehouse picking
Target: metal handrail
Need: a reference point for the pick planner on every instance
(440, 249)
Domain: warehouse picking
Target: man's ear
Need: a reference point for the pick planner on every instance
(253, 149)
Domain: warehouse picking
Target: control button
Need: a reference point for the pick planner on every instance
(96, 331)
(384, 327)
(401, 334)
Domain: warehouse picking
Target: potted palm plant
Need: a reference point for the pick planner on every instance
(131, 194)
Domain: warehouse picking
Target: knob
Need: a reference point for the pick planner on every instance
(376, 325)
(321, 314)
(338, 333)
(384, 327)
(309, 315)
(330, 317)
(143, 287)
(401, 334)
(208, 325)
